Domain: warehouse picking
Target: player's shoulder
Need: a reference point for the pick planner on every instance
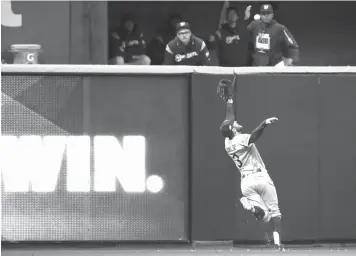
(230, 145)
(172, 46)
(242, 139)
(235, 140)
(239, 143)
(253, 24)
(197, 40)
(199, 43)
(173, 43)
(279, 26)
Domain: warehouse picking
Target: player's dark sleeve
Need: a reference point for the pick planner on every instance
(168, 56)
(255, 134)
(291, 45)
(205, 55)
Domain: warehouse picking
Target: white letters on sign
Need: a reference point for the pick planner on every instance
(78, 164)
(8, 18)
(31, 160)
(127, 164)
(33, 163)
(30, 57)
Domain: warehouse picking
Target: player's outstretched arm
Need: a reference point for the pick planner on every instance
(230, 110)
(255, 134)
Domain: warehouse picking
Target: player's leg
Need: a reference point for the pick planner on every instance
(268, 192)
(255, 205)
(253, 202)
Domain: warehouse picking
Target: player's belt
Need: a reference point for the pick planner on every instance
(247, 174)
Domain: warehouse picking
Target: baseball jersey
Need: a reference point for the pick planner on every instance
(245, 156)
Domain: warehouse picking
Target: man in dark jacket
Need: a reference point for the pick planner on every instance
(186, 49)
(270, 43)
(127, 45)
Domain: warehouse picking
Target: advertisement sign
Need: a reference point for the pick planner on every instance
(78, 165)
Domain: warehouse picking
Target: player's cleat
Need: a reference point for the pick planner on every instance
(279, 248)
(275, 247)
(246, 204)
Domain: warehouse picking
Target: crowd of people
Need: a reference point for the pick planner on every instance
(238, 42)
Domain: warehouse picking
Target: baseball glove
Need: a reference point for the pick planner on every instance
(225, 89)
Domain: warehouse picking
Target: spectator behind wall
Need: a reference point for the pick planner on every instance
(127, 44)
(165, 33)
(270, 43)
(230, 40)
(186, 49)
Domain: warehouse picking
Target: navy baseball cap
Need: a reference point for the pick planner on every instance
(182, 25)
(266, 8)
(225, 128)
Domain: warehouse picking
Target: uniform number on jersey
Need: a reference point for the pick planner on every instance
(236, 159)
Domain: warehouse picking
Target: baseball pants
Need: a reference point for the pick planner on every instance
(259, 189)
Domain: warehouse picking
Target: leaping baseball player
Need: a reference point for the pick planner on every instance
(257, 187)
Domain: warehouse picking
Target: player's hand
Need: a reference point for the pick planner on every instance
(271, 120)
(248, 12)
